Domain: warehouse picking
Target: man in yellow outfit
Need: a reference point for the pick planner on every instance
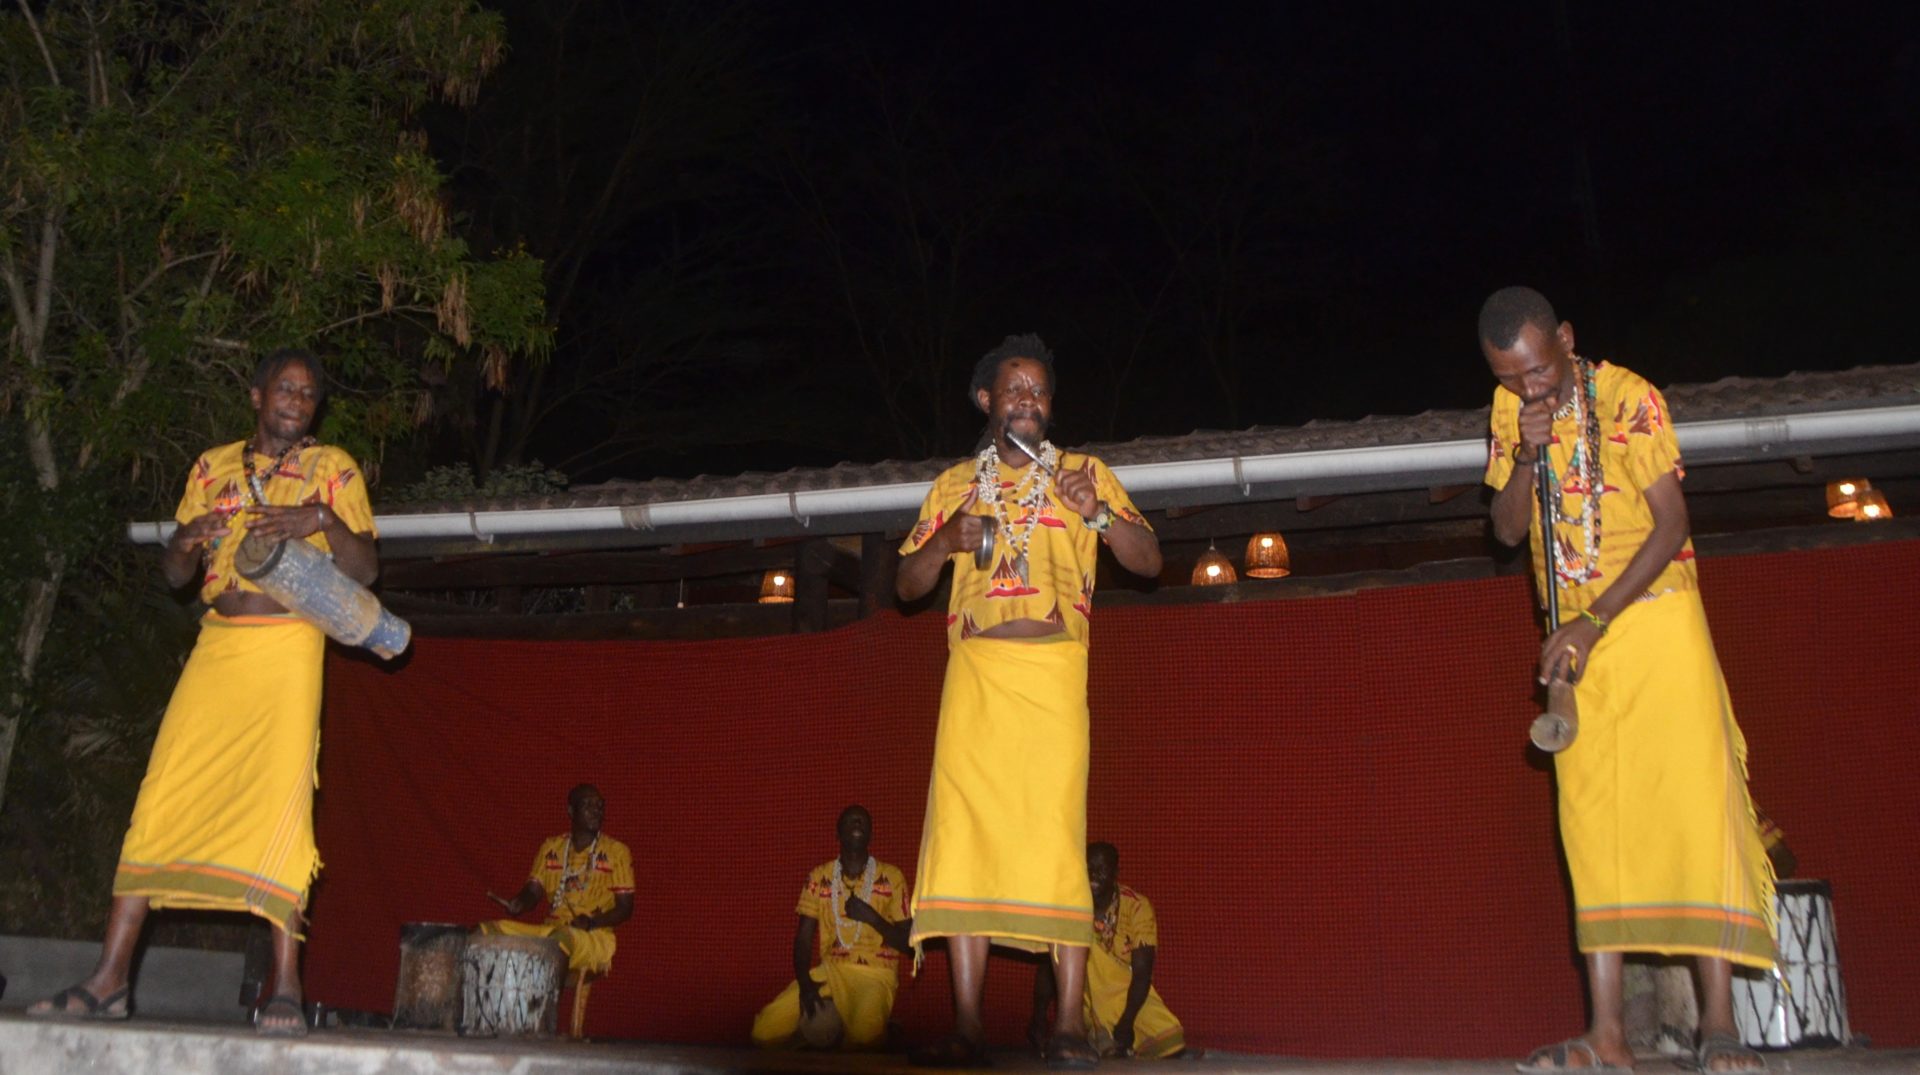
(854, 910)
(1659, 832)
(224, 819)
(1002, 854)
(1125, 1015)
(588, 878)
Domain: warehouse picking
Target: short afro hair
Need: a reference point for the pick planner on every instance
(1105, 850)
(270, 366)
(1509, 309)
(1026, 346)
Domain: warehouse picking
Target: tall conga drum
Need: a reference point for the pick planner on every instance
(427, 994)
(510, 986)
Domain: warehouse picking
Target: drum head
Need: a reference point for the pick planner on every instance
(822, 1030)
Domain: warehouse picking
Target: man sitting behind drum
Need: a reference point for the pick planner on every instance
(588, 877)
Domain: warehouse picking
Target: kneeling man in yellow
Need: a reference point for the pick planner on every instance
(855, 907)
(1124, 1013)
(588, 876)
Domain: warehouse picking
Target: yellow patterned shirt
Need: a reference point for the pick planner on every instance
(1637, 448)
(218, 483)
(1061, 550)
(583, 888)
(1132, 926)
(855, 942)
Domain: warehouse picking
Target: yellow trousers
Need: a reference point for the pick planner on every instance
(1003, 853)
(1659, 831)
(863, 996)
(1156, 1033)
(224, 819)
(590, 950)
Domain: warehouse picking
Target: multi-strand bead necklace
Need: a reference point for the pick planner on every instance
(1584, 408)
(1030, 494)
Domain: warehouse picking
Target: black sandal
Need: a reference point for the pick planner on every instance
(91, 1007)
(1065, 1052)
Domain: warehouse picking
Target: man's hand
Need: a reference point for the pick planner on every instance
(273, 523)
(1076, 491)
(191, 535)
(810, 997)
(1123, 1037)
(1564, 654)
(861, 911)
(960, 534)
(1536, 426)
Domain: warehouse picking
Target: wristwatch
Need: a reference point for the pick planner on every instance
(1102, 519)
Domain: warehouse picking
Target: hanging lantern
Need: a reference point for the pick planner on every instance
(1267, 557)
(1871, 507)
(1843, 495)
(1213, 568)
(776, 587)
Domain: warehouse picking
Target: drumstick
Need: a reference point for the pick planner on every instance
(1555, 729)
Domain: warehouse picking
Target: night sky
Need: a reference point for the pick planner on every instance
(1217, 217)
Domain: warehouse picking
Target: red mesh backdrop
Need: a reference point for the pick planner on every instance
(1328, 800)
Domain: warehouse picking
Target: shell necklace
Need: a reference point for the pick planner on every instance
(1585, 461)
(568, 877)
(840, 899)
(1030, 493)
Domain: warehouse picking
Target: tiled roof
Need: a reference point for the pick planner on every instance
(1731, 397)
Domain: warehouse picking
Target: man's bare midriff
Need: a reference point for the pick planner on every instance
(1022, 629)
(247, 603)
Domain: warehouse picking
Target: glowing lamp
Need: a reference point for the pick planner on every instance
(1213, 569)
(1871, 507)
(776, 587)
(1267, 557)
(1844, 495)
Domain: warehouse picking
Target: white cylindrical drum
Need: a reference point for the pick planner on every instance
(305, 580)
(1812, 1009)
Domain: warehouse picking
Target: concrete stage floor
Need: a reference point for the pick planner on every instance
(140, 1047)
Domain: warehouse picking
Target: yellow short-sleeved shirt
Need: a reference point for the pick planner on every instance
(1061, 552)
(862, 942)
(1133, 926)
(590, 887)
(319, 474)
(1637, 449)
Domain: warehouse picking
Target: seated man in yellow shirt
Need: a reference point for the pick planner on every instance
(856, 908)
(588, 876)
(1124, 1013)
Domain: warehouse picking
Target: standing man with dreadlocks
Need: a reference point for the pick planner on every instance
(224, 819)
(1002, 855)
(1659, 831)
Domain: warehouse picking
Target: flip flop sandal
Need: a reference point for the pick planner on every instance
(1553, 1060)
(1068, 1053)
(280, 1005)
(92, 1007)
(1723, 1047)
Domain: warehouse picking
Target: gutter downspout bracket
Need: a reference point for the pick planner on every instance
(473, 525)
(1240, 478)
(793, 509)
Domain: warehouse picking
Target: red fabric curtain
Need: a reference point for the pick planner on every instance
(1329, 801)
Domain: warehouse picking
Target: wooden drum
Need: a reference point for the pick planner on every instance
(510, 986)
(427, 994)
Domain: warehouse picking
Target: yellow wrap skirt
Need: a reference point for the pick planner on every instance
(1004, 850)
(1156, 1033)
(224, 819)
(862, 995)
(1659, 831)
(589, 950)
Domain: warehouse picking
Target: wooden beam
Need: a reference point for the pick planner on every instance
(811, 583)
(879, 568)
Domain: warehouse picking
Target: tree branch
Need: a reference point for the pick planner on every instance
(26, 9)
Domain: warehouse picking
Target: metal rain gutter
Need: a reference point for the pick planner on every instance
(1374, 468)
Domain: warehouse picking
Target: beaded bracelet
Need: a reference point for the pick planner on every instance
(1588, 615)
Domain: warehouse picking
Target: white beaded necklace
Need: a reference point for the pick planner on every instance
(1030, 493)
(1585, 460)
(840, 899)
(566, 870)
